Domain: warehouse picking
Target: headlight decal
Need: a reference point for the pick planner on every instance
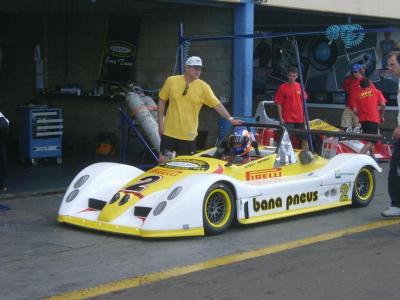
(114, 198)
(81, 181)
(71, 196)
(124, 200)
(174, 193)
(159, 208)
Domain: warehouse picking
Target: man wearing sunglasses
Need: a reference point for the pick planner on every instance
(351, 87)
(185, 94)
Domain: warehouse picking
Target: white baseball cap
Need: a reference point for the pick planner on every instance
(194, 61)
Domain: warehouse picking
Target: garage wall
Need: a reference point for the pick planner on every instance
(157, 51)
(73, 45)
(18, 35)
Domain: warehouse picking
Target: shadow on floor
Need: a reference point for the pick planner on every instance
(50, 177)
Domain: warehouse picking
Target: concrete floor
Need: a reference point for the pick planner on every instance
(360, 266)
(47, 177)
(39, 257)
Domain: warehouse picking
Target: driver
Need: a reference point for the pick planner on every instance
(239, 146)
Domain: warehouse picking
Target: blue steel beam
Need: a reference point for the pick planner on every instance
(243, 60)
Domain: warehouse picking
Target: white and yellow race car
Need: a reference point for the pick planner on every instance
(205, 193)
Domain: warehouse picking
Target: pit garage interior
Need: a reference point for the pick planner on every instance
(53, 56)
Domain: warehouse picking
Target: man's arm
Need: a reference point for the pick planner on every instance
(396, 133)
(160, 116)
(382, 112)
(221, 110)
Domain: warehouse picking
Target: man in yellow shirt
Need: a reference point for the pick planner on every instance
(186, 95)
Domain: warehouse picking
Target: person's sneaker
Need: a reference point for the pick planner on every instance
(392, 211)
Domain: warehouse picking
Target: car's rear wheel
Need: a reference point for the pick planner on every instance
(218, 209)
(364, 187)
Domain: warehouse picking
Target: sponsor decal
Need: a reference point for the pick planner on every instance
(165, 172)
(301, 198)
(291, 201)
(339, 174)
(344, 190)
(250, 165)
(367, 93)
(267, 204)
(186, 164)
(263, 174)
(121, 49)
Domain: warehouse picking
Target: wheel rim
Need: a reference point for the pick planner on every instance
(218, 208)
(364, 184)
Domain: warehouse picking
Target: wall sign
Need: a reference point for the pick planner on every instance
(119, 52)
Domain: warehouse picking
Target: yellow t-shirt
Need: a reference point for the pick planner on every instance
(182, 118)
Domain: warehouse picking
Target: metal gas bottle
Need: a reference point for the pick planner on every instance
(146, 119)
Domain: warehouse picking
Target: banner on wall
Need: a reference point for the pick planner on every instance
(120, 49)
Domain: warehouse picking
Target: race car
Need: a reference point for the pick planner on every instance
(382, 151)
(203, 194)
(329, 146)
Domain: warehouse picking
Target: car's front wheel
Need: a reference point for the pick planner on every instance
(218, 209)
(364, 187)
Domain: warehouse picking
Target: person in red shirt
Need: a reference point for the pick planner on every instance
(366, 107)
(290, 105)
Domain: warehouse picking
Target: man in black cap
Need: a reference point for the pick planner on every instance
(351, 86)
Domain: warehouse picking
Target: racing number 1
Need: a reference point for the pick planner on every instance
(344, 189)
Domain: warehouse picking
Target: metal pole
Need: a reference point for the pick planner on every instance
(303, 98)
(123, 137)
(181, 39)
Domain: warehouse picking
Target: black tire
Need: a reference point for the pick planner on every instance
(218, 209)
(364, 187)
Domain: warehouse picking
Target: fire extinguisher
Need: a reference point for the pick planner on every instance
(268, 137)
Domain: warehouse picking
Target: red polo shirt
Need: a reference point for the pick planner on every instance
(352, 87)
(288, 96)
(367, 103)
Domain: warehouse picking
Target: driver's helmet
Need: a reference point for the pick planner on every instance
(240, 142)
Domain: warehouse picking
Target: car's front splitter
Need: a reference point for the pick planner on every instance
(107, 227)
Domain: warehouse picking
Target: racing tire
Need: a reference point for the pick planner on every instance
(218, 209)
(364, 187)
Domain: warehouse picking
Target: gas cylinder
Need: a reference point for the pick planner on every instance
(268, 137)
(147, 120)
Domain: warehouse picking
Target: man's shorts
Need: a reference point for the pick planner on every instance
(369, 127)
(349, 119)
(181, 147)
(300, 136)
